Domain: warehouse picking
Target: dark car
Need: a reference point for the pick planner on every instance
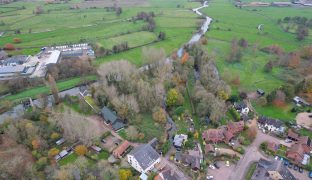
(300, 170)
(286, 163)
(296, 167)
(216, 165)
(290, 165)
(310, 174)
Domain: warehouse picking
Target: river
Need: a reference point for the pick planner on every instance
(18, 110)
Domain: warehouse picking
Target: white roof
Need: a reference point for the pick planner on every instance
(96, 148)
(63, 153)
(54, 57)
(143, 176)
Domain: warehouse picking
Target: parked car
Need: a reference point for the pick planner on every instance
(290, 165)
(212, 166)
(286, 162)
(310, 174)
(216, 165)
(300, 170)
(296, 167)
(227, 163)
(209, 177)
(103, 141)
(288, 141)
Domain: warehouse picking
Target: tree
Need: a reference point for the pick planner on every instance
(302, 32)
(235, 54)
(9, 47)
(268, 67)
(35, 144)
(172, 97)
(162, 35)
(243, 43)
(125, 174)
(81, 150)
(252, 133)
(53, 152)
(53, 88)
(75, 126)
(306, 52)
(118, 11)
(54, 136)
(17, 40)
(132, 132)
(159, 115)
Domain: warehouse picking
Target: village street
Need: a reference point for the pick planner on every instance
(252, 154)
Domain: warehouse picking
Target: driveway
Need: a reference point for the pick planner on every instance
(222, 173)
(252, 154)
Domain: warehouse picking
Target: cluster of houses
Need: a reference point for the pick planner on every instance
(224, 134)
(271, 125)
(299, 151)
(36, 66)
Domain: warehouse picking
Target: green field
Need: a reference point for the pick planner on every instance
(61, 25)
(34, 92)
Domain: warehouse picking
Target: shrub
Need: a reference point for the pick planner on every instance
(17, 40)
(9, 47)
(81, 150)
(54, 136)
(53, 152)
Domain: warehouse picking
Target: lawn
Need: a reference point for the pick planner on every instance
(250, 171)
(68, 159)
(305, 132)
(103, 154)
(283, 114)
(34, 92)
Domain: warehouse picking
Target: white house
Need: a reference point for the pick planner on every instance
(272, 125)
(143, 158)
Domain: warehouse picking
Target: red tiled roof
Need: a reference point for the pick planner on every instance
(235, 127)
(121, 149)
(213, 135)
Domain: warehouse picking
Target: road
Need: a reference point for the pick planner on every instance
(252, 154)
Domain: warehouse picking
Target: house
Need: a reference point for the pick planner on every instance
(192, 161)
(281, 4)
(242, 108)
(168, 174)
(110, 118)
(272, 125)
(223, 135)
(179, 139)
(143, 158)
(272, 147)
(213, 135)
(235, 127)
(209, 148)
(121, 149)
(296, 153)
(268, 170)
(260, 92)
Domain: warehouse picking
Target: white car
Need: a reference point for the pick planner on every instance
(227, 163)
(288, 141)
(209, 177)
(212, 166)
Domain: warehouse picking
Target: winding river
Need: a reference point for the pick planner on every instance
(18, 110)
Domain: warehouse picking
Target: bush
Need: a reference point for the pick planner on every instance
(179, 110)
(53, 152)
(54, 136)
(165, 147)
(240, 150)
(81, 150)
(17, 40)
(9, 47)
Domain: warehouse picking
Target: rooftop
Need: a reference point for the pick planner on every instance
(145, 154)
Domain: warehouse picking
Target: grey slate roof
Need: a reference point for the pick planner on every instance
(11, 69)
(117, 125)
(108, 115)
(274, 122)
(264, 166)
(145, 155)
